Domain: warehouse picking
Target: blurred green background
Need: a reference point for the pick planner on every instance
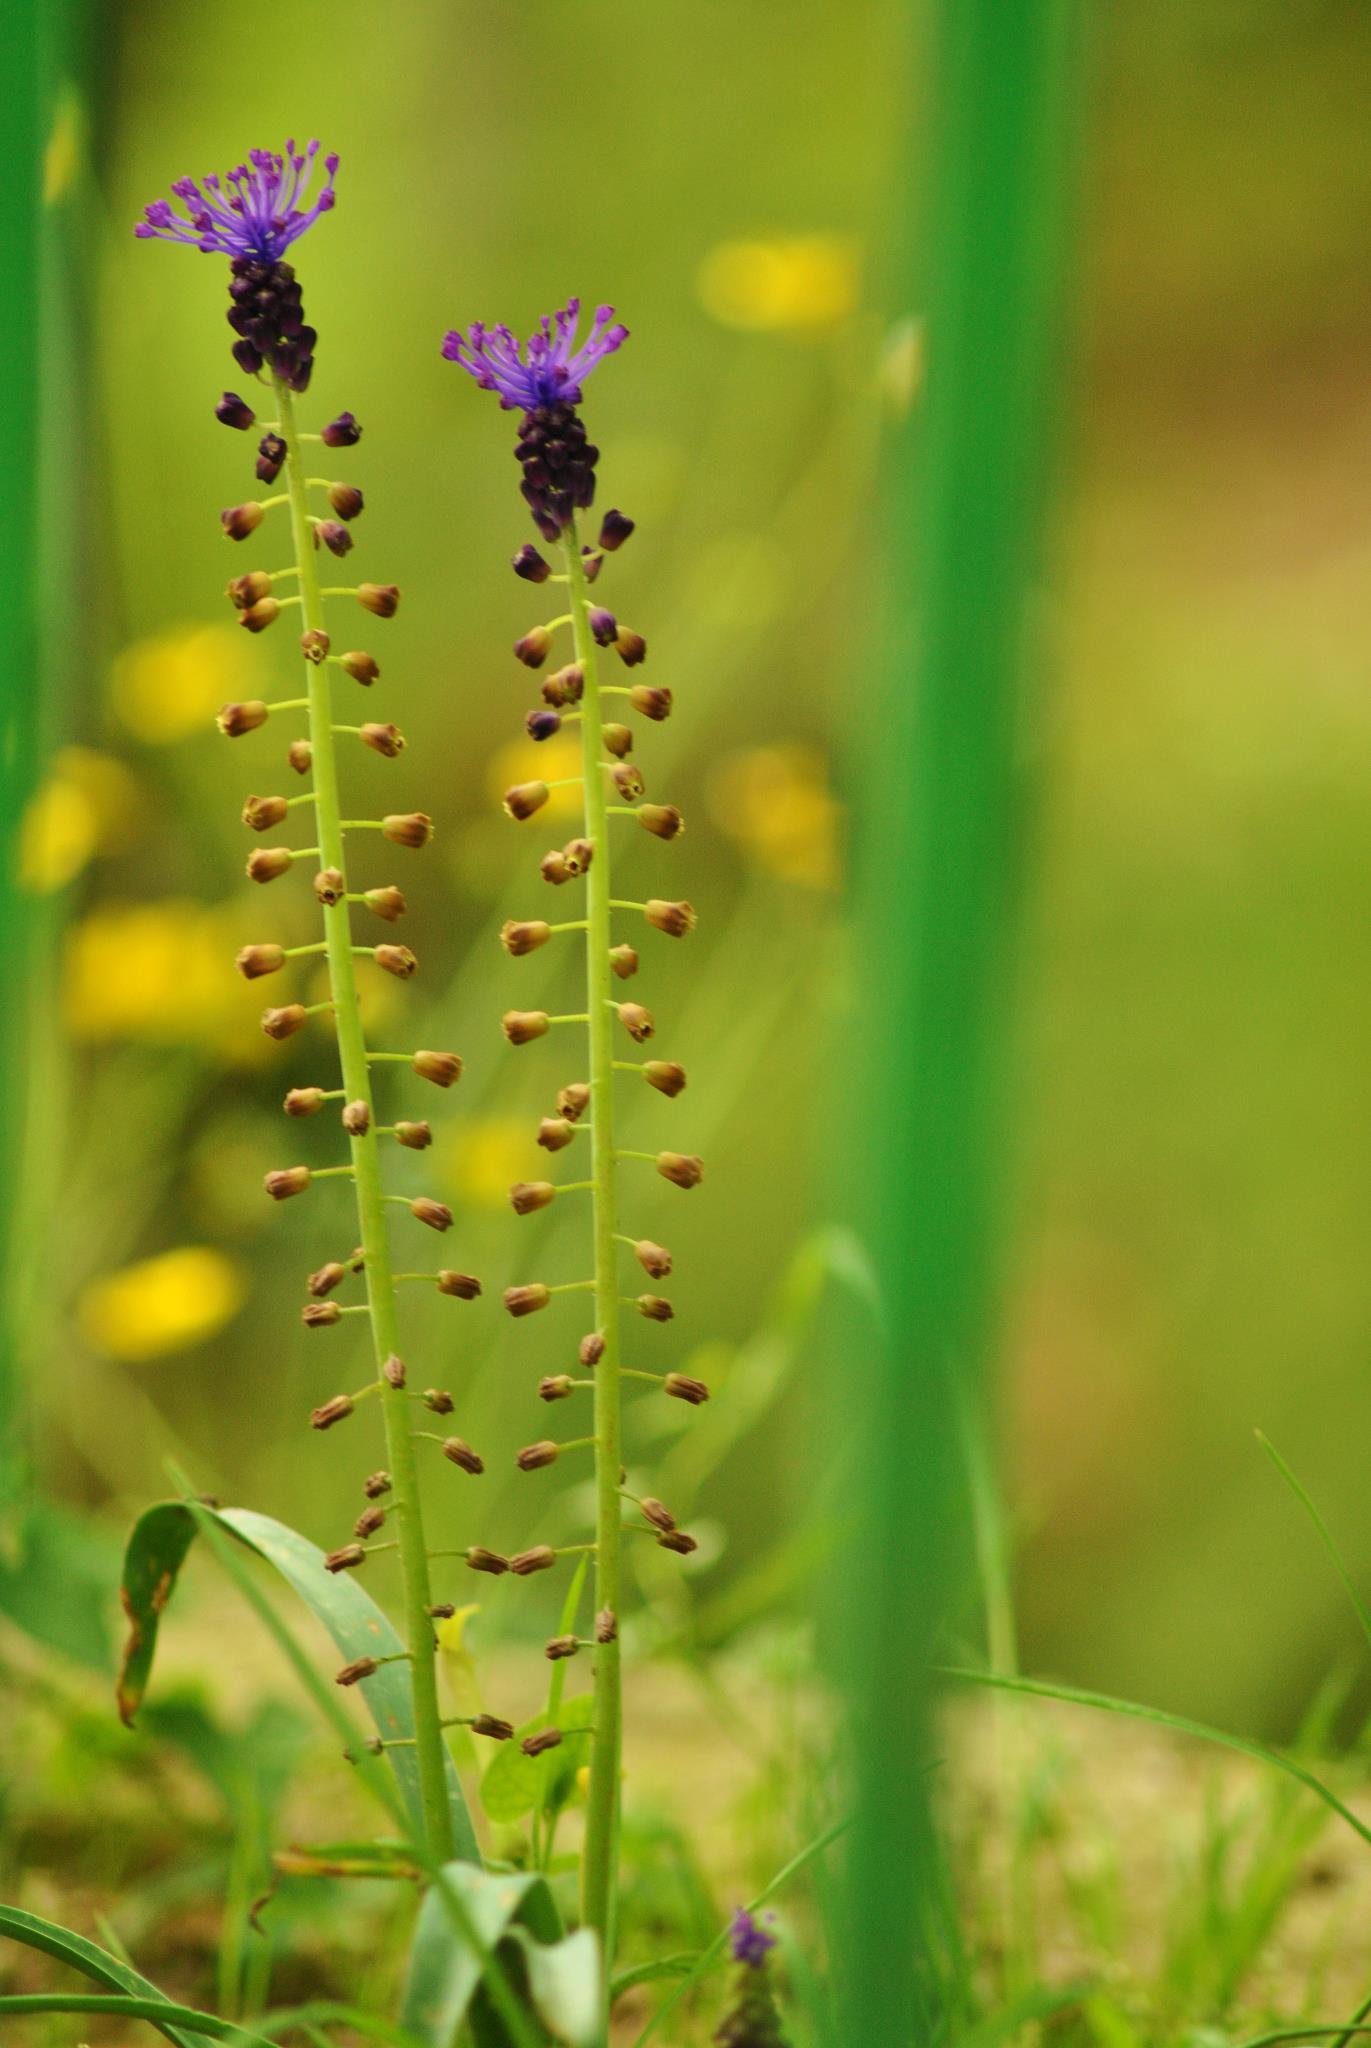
(1193, 1182)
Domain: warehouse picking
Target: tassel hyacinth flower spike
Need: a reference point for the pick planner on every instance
(252, 216)
(543, 380)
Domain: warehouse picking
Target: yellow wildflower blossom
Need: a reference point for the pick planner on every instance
(777, 804)
(170, 685)
(479, 1162)
(162, 972)
(541, 761)
(168, 1303)
(84, 807)
(792, 283)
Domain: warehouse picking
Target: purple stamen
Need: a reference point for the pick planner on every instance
(261, 213)
(548, 369)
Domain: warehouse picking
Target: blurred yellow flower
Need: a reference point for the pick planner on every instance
(791, 282)
(172, 684)
(541, 761)
(162, 972)
(164, 1304)
(85, 807)
(479, 1161)
(777, 804)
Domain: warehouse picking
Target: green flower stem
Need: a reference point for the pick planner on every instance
(352, 1051)
(600, 1862)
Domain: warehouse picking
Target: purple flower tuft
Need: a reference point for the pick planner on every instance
(748, 1939)
(257, 210)
(546, 370)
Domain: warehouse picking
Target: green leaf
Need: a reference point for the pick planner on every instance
(80, 1954)
(357, 1626)
(653, 1972)
(156, 2010)
(513, 1783)
(444, 1974)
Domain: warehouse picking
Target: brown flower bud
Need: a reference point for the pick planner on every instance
(363, 668)
(606, 1626)
(443, 1610)
(383, 739)
(682, 1388)
(442, 1068)
(458, 1452)
(535, 646)
(573, 1101)
(654, 1308)
(665, 1075)
(555, 1387)
(564, 686)
(318, 1315)
(578, 854)
(623, 961)
(553, 868)
(236, 719)
(636, 1021)
(304, 1101)
(493, 1726)
(438, 1400)
(300, 755)
(329, 886)
(396, 960)
(369, 1522)
(387, 903)
(334, 535)
(357, 1119)
(630, 647)
(628, 780)
(408, 828)
(381, 598)
(464, 1285)
(559, 1647)
(541, 1558)
(675, 919)
(375, 1484)
(682, 1169)
(523, 1301)
(521, 1027)
(267, 863)
(659, 1515)
(650, 702)
(520, 937)
(255, 961)
(286, 1181)
(554, 1132)
(437, 1215)
(592, 1349)
(346, 1559)
(314, 645)
(393, 1372)
(326, 1278)
(618, 740)
(615, 528)
(527, 1195)
(524, 798)
(360, 1667)
(416, 1136)
(259, 616)
(533, 1456)
(250, 589)
(677, 1540)
(336, 1410)
(487, 1561)
(654, 1259)
(662, 819)
(238, 521)
(546, 1738)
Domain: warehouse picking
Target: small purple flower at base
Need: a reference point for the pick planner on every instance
(752, 2020)
(748, 1939)
(234, 411)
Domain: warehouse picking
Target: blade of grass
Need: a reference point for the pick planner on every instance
(1321, 1530)
(155, 2010)
(1103, 1702)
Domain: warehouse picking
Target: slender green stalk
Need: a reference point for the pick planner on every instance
(599, 1869)
(371, 1216)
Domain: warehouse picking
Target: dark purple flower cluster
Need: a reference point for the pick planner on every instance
(748, 1939)
(253, 215)
(544, 376)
